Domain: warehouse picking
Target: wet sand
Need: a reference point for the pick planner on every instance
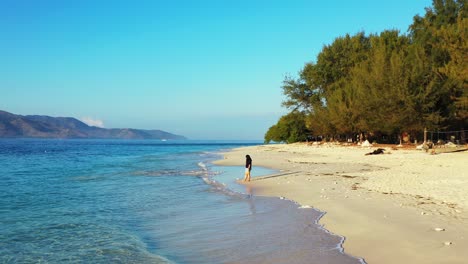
(405, 206)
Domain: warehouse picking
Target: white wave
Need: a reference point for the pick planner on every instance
(202, 165)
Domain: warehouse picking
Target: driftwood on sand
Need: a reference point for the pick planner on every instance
(376, 152)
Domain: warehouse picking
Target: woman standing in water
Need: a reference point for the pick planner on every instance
(248, 168)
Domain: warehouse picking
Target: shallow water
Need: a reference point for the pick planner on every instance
(104, 201)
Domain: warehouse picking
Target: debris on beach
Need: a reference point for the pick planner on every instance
(366, 144)
(447, 243)
(376, 152)
(438, 229)
(450, 145)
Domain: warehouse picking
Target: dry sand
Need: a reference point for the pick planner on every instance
(405, 206)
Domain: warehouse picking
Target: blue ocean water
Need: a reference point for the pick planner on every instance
(118, 201)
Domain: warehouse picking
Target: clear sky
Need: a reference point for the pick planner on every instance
(202, 69)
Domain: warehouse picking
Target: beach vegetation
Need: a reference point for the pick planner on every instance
(385, 83)
(289, 129)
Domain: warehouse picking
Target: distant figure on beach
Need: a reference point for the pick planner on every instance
(248, 168)
(376, 152)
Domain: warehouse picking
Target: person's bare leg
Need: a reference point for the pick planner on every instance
(247, 175)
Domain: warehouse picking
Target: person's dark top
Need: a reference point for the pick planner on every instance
(248, 162)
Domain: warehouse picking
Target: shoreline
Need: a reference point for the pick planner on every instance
(403, 207)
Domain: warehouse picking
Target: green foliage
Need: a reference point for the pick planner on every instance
(290, 128)
(385, 83)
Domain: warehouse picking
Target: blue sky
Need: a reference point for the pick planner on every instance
(203, 69)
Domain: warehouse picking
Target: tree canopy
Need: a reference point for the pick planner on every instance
(386, 83)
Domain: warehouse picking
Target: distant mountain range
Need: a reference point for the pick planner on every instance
(36, 126)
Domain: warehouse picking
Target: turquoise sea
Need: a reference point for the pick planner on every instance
(119, 201)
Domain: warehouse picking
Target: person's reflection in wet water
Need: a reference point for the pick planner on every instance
(250, 199)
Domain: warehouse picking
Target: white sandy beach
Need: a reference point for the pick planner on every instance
(406, 206)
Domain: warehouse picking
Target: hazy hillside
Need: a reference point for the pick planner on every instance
(36, 126)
